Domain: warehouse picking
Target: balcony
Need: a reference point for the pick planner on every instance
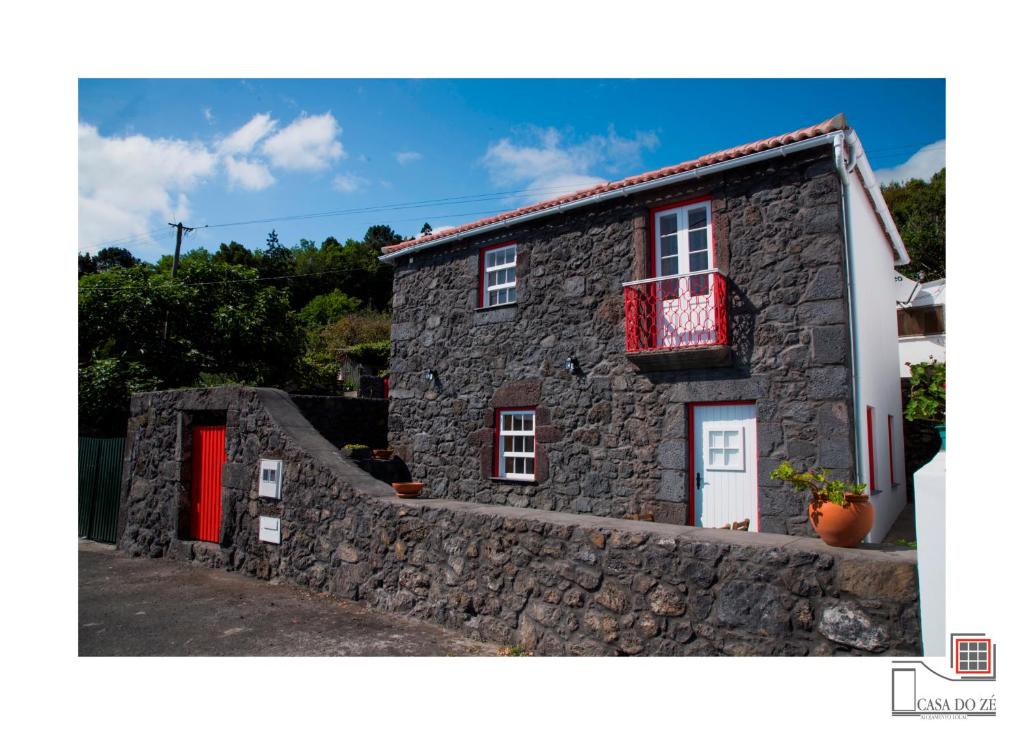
(677, 322)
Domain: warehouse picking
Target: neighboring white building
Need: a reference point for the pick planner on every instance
(921, 321)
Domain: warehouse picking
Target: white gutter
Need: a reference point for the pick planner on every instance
(839, 153)
(714, 168)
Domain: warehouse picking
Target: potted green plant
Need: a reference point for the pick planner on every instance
(927, 399)
(840, 512)
(357, 451)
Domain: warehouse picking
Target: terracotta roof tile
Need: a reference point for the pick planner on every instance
(831, 125)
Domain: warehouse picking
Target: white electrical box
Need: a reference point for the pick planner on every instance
(270, 529)
(271, 471)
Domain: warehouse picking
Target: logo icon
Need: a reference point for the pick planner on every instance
(966, 690)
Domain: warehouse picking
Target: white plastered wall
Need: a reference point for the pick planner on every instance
(878, 360)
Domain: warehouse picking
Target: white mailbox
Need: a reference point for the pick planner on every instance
(270, 529)
(271, 471)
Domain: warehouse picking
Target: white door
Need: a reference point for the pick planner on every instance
(725, 465)
(682, 243)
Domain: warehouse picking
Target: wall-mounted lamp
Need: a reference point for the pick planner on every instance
(429, 375)
(572, 365)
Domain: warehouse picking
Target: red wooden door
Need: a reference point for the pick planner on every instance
(207, 461)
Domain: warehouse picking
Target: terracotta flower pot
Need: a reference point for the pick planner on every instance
(383, 453)
(407, 489)
(842, 526)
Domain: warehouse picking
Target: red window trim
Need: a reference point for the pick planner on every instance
(495, 469)
(892, 471)
(691, 516)
(652, 269)
(872, 485)
(480, 286)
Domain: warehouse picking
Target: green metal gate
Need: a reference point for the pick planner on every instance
(99, 487)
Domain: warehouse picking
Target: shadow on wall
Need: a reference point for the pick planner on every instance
(344, 420)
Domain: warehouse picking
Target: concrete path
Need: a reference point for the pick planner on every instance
(145, 607)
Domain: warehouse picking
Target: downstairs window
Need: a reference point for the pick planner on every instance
(516, 456)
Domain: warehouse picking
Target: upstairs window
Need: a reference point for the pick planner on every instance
(517, 453)
(498, 275)
(682, 245)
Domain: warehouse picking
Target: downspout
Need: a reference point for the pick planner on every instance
(839, 146)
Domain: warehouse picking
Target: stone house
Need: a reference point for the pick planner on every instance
(653, 347)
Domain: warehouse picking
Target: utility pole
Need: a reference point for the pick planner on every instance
(177, 245)
(180, 230)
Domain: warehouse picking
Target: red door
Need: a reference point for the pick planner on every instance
(207, 461)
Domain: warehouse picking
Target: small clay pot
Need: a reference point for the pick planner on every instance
(407, 489)
(842, 525)
(383, 453)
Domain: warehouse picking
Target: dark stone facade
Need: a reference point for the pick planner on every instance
(618, 433)
(555, 583)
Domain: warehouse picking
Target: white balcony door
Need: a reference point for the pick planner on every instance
(682, 245)
(725, 465)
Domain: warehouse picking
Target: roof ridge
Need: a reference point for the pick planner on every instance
(833, 124)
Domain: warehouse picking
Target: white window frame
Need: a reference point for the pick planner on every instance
(491, 293)
(682, 235)
(739, 451)
(514, 433)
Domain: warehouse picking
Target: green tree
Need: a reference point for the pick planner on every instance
(221, 321)
(104, 260)
(235, 253)
(104, 389)
(919, 209)
(380, 235)
(327, 308)
(86, 265)
(277, 317)
(325, 345)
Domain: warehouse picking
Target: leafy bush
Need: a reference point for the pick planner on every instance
(328, 307)
(822, 489)
(372, 352)
(104, 388)
(927, 401)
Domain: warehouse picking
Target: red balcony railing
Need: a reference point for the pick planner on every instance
(676, 312)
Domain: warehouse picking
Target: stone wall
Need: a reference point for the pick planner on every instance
(617, 438)
(551, 582)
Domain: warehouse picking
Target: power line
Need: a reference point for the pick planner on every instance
(415, 204)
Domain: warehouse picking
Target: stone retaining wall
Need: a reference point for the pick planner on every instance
(556, 583)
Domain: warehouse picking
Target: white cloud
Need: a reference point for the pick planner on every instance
(310, 143)
(404, 157)
(248, 174)
(208, 115)
(349, 183)
(243, 140)
(547, 166)
(132, 185)
(124, 182)
(927, 161)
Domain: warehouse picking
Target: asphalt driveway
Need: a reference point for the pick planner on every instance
(146, 607)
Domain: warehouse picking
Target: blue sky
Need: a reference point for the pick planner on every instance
(215, 152)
